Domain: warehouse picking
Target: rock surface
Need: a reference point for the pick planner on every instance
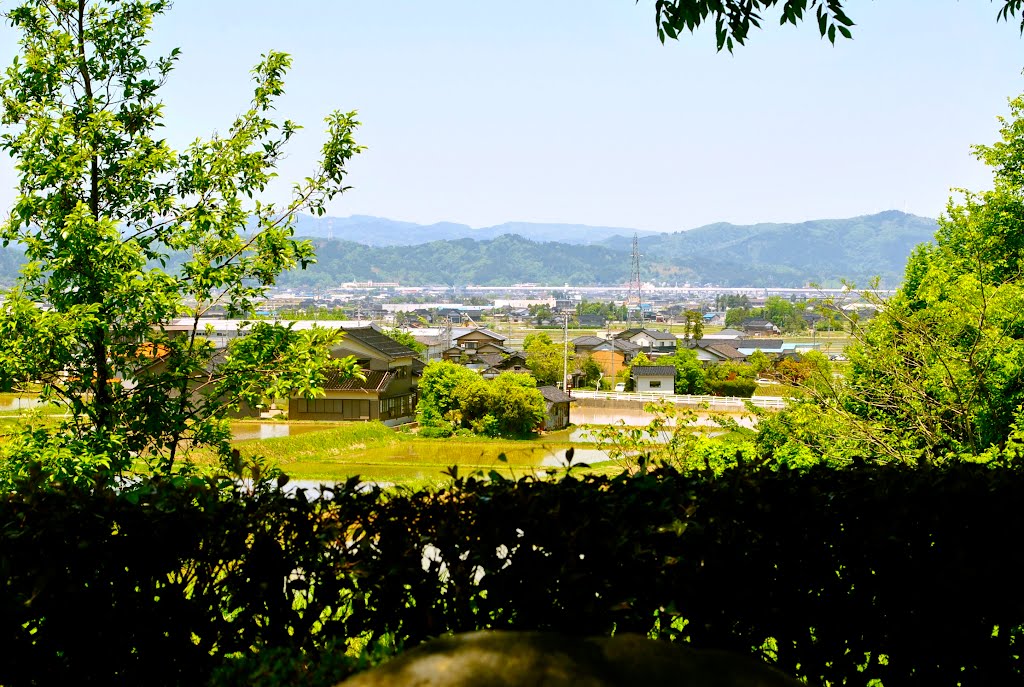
(536, 659)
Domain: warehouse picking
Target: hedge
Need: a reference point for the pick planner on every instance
(904, 575)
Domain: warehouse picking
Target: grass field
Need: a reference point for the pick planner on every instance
(378, 453)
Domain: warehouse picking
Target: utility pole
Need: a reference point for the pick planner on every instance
(565, 353)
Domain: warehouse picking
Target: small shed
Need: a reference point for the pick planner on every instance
(557, 403)
(656, 379)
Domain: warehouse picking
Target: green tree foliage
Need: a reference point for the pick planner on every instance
(733, 19)
(759, 361)
(606, 309)
(590, 368)
(691, 377)
(731, 379)
(784, 314)
(639, 360)
(693, 325)
(406, 339)
(937, 373)
(546, 358)
(103, 201)
(518, 406)
(541, 313)
(453, 397)
(438, 390)
(734, 316)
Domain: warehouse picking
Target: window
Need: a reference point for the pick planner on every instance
(655, 384)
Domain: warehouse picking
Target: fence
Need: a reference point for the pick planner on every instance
(712, 402)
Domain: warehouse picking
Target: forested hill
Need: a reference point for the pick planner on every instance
(821, 251)
(380, 231)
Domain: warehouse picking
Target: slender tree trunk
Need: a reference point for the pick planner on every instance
(101, 366)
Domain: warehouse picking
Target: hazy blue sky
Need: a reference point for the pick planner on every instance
(572, 111)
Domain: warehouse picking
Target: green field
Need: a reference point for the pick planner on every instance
(378, 453)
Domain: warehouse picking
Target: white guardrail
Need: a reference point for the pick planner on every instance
(712, 402)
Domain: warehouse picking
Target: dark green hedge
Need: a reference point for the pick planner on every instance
(903, 574)
(737, 388)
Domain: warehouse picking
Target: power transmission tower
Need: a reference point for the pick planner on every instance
(446, 333)
(634, 299)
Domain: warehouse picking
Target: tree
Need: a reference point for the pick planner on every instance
(759, 361)
(454, 397)
(639, 360)
(690, 375)
(439, 390)
(937, 373)
(545, 358)
(735, 316)
(693, 325)
(406, 339)
(104, 204)
(517, 404)
(589, 367)
(733, 19)
(541, 313)
(731, 379)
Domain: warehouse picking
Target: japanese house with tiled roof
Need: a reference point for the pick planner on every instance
(613, 355)
(387, 394)
(650, 340)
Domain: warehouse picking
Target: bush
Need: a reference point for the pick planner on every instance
(739, 387)
(840, 575)
(436, 431)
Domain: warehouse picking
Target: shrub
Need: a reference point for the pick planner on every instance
(739, 387)
(900, 574)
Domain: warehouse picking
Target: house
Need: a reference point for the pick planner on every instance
(557, 404)
(592, 321)
(711, 351)
(611, 354)
(477, 337)
(714, 319)
(387, 394)
(657, 379)
(514, 362)
(649, 340)
(726, 335)
(758, 327)
(770, 347)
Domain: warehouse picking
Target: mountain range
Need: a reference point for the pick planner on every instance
(824, 252)
(380, 231)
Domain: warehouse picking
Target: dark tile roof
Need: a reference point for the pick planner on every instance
(490, 359)
(587, 341)
(725, 350)
(758, 343)
(376, 380)
(377, 340)
(552, 394)
(653, 333)
(482, 330)
(653, 370)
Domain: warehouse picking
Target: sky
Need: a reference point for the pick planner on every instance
(573, 111)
